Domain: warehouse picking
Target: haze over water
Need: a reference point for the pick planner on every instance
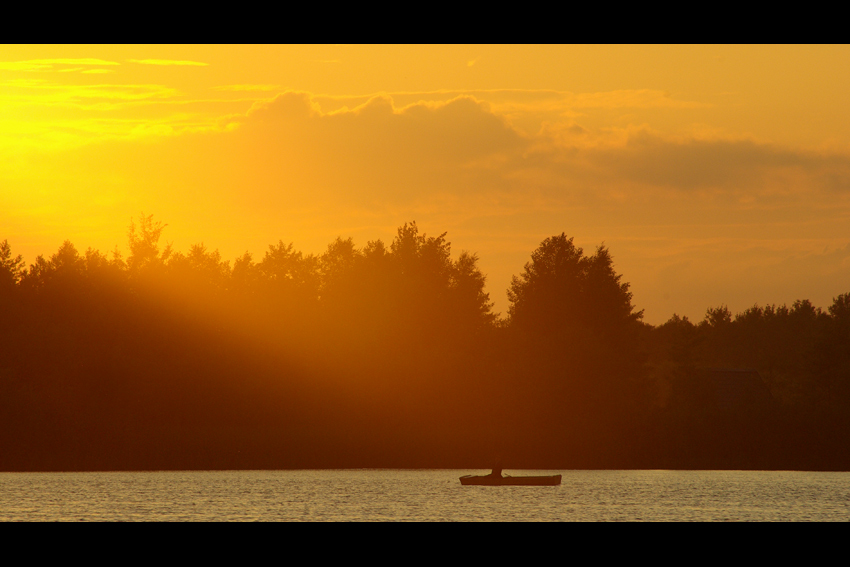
(424, 495)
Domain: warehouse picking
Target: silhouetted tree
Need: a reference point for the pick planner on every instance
(144, 245)
(245, 275)
(563, 291)
(61, 277)
(834, 354)
(11, 267)
(718, 316)
(470, 301)
(378, 356)
(434, 289)
(575, 346)
(293, 277)
(199, 269)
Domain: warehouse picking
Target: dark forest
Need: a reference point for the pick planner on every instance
(389, 355)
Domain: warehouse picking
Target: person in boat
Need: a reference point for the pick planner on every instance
(497, 470)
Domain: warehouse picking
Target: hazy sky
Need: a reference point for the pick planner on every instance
(714, 174)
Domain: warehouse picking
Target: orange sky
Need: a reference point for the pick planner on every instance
(715, 174)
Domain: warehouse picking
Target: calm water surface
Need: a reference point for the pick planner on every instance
(424, 495)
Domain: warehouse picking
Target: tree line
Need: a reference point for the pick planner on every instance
(390, 355)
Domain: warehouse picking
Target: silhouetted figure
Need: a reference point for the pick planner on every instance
(497, 470)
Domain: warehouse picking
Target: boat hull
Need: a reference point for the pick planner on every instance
(488, 480)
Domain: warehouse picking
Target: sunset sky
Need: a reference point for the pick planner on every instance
(714, 174)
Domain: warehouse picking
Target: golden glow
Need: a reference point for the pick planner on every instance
(714, 174)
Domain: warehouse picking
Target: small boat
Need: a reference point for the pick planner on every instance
(491, 480)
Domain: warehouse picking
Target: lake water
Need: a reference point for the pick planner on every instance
(424, 495)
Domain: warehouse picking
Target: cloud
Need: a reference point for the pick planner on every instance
(374, 148)
(640, 162)
(379, 154)
(248, 88)
(167, 62)
(692, 217)
(639, 98)
(49, 64)
(544, 98)
(42, 92)
(46, 116)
